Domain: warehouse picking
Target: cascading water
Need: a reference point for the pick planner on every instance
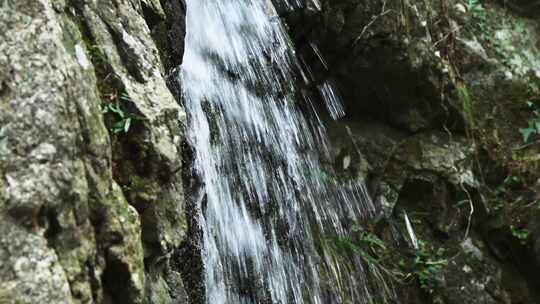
(269, 206)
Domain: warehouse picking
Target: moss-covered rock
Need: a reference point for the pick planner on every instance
(70, 233)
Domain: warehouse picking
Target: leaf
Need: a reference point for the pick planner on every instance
(439, 262)
(462, 202)
(116, 110)
(127, 124)
(368, 257)
(537, 126)
(356, 228)
(374, 241)
(119, 126)
(125, 97)
(526, 133)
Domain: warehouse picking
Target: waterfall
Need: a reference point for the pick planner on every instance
(269, 205)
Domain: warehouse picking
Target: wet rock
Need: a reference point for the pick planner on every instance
(436, 93)
(472, 277)
(529, 8)
(437, 153)
(383, 59)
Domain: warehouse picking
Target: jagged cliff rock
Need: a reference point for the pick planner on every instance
(89, 215)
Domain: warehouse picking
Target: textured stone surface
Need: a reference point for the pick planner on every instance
(43, 173)
(436, 92)
(30, 269)
(70, 233)
(149, 162)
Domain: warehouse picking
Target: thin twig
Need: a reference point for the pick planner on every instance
(384, 12)
(526, 145)
(446, 36)
(469, 221)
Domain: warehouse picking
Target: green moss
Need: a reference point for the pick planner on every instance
(143, 188)
(467, 104)
(505, 37)
(70, 34)
(76, 31)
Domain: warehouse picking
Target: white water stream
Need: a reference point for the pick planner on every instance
(269, 204)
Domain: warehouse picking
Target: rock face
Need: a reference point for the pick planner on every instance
(89, 215)
(439, 95)
(443, 105)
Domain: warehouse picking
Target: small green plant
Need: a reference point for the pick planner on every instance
(427, 266)
(533, 123)
(123, 120)
(369, 239)
(371, 247)
(467, 104)
(323, 175)
(123, 123)
(512, 181)
(364, 243)
(374, 254)
(520, 233)
(475, 8)
(497, 199)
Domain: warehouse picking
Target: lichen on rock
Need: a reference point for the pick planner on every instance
(59, 164)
